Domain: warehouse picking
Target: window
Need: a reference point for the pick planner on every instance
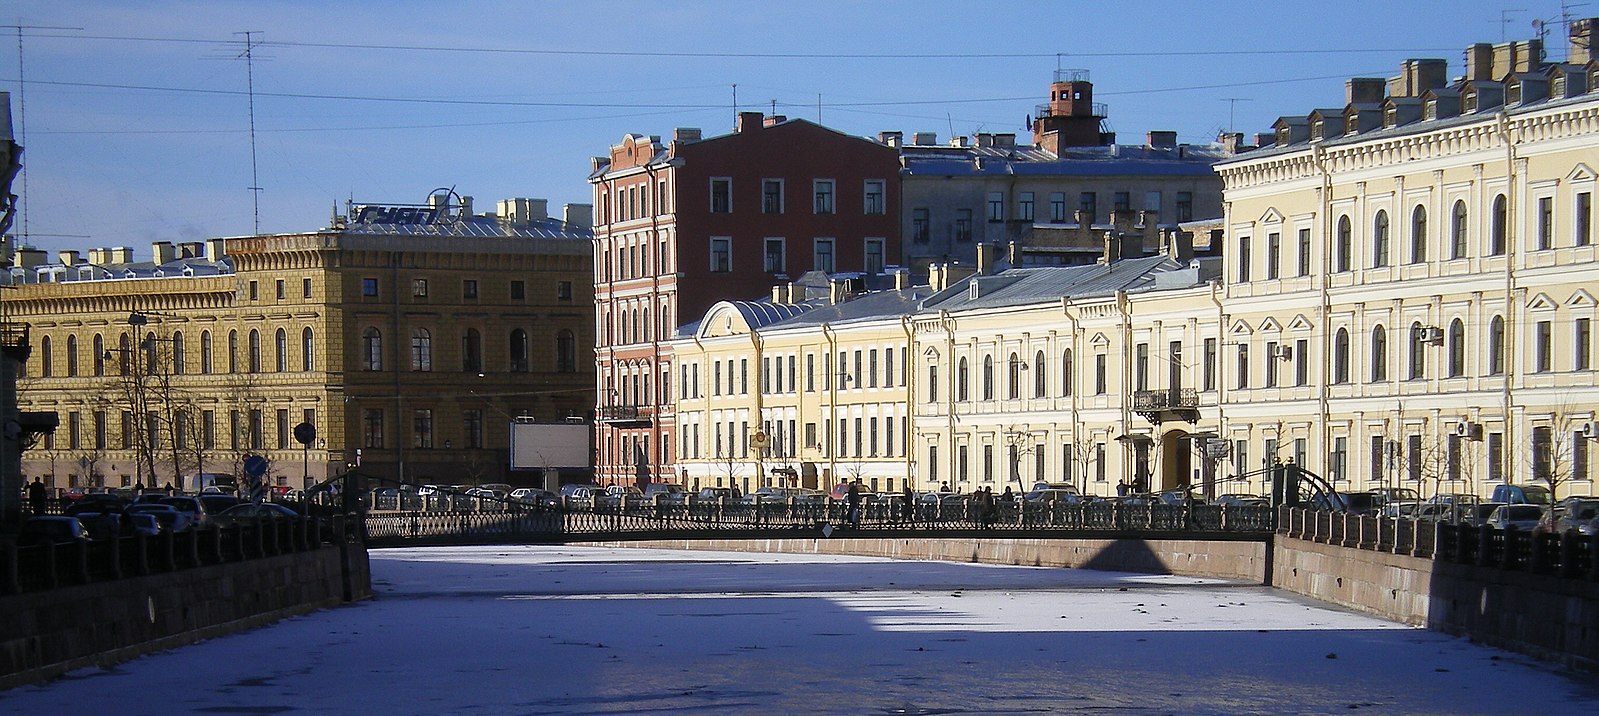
(563, 290)
(721, 254)
(422, 428)
(254, 290)
(1418, 352)
(1304, 252)
(1242, 380)
(874, 256)
(1124, 201)
(44, 357)
(305, 288)
(1271, 364)
(963, 224)
(1379, 240)
(1582, 338)
(472, 428)
(721, 195)
(988, 377)
(1496, 346)
(566, 352)
(771, 196)
(257, 430)
(996, 206)
(1152, 201)
(920, 230)
(1057, 207)
(233, 352)
(1546, 223)
(1341, 356)
(1088, 202)
(1343, 248)
(1377, 454)
(1418, 234)
(961, 375)
(773, 261)
(1141, 367)
(1457, 231)
(519, 351)
(283, 429)
(421, 350)
(1274, 247)
(255, 351)
(1501, 223)
(72, 356)
(471, 351)
(875, 203)
(1211, 351)
(1101, 374)
(1542, 350)
(369, 287)
(1496, 457)
(1302, 365)
(1379, 355)
(1040, 379)
(1024, 206)
(822, 190)
(1243, 259)
(1457, 349)
(1583, 233)
(1543, 454)
(1185, 206)
(469, 289)
(1067, 372)
(280, 345)
(282, 290)
(822, 256)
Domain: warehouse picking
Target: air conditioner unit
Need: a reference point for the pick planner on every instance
(1463, 430)
(1590, 431)
(1432, 336)
(1284, 353)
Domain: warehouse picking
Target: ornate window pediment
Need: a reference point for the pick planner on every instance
(1542, 302)
(1270, 325)
(1300, 323)
(1242, 328)
(1581, 299)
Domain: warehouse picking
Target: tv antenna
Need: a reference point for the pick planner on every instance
(249, 78)
(22, 126)
(1232, 108)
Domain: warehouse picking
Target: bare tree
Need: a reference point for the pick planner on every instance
(1554, 449)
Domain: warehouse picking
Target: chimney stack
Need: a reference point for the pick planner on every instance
(1364, 90)
(67, 258)
(1480, 62)
(162, 252)
(1579, 48)
(1162, 139)
(924, 139)
(985, 259)
(774, 119)
(748, 121)
(892, 139)
(578, 215)
(902, 278)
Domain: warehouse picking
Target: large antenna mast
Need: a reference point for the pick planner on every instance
(22, 127)
(249, 75)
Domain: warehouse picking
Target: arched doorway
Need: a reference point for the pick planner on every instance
(1176, 461)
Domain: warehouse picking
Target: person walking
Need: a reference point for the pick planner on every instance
(36, 496)
(910, 501)
(853, 500)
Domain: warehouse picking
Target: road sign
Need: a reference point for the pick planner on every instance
(255, 466)
(305, 434)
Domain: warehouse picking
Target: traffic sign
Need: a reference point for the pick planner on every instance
(305, 434)
(255, 466)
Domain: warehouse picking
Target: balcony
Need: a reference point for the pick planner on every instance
(623, 416)
(14, 340)
(1158, 406)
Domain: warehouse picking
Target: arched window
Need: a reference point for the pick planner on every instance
(371, 349)
(1457, 348)
(1344, 246)
(1379, 240)
(1040, 379)
(205, 351)
(1379, 355)
(421, 350)
(44, 357)
(149, 345)
(280, 351)
(519, 350)
(988, 377)
(1013, 387)
(1496, 346)
(566, 352)
(1501, 223)
(125, 355)
(1457, 230)
(233, 351)
(1341, 356)
(472, 351)
(307, 350)
(1067, 372)
(1417, 350)
(961, 380)
(179, 355)
(99, 354)
(255, 351)
(72, 356)
(1418, 234)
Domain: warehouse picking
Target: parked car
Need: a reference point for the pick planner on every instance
(140, 523)
(216, 502)
(192, 507)
(619, 495)
(666, 493)
(712, 494)
(170, 518)
(841, 490)
(1522, 517)
(101, 525)
(1049, 496)
(534, 497)
(582, 494)
(1522, 495)
(1573, 513)
(1179, 498)
(1480, 513)
(98, 502)
(1239, 499)
(51, 529)
(252, 513)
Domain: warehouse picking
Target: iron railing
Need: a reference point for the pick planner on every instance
(1567, 554)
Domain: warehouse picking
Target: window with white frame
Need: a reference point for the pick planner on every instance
(822, 192)
(822, 256)
(771, 196)
(773, 256)
(721, 195)
(874, 256)
(875, 200)
(721, 254)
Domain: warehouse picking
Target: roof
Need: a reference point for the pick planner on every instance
(865, 307)
(1113, 160)
(474, 226)
(1023, 286)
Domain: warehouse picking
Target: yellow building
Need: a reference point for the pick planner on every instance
(408, 337)
(1411, 279)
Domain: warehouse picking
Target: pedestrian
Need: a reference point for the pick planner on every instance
(853, 500)
(1121, 489)
(910, 501)
(36, 496)
(943, 487)
(990, 509)
(138, 487)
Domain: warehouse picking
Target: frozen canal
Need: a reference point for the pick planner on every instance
(574, 630)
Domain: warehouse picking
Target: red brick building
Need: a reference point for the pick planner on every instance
(682, 225)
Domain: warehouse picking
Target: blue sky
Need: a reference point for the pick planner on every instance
(137, 124)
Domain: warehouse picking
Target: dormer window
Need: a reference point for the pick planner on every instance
(1513, 93)
(1468, 103)
(1390, 117)
(1282, 136)
(1430, 110)
(1316, 128)
(1557, 87)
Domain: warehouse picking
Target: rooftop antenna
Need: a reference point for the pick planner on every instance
(1232, 106)
(249, 74)
(1504, 21)
(735, 106)
(22, 126)
(818, 107)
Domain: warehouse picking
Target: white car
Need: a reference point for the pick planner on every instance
(1521, 517)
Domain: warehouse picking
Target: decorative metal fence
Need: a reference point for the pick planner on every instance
(1568, 554)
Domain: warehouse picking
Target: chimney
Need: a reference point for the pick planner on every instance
(892, 139)
(686, 134)
(1113, 247)
(1579, 47)
(191, 250)
(902, 277)
(839, 289)
(1418, 76)
(67, 258)
(216, 249)
(775, 119)
(1161, 139)
(596, 162)
(1005, 141)
(29, 257)
(1516, 56)
(162, 252)
(1265, 139)
(780, 293)
(1230, 141)
(97, 256)
(985, 259)
(522, 211)
(120, 255)
(578, 215)
(1364, 90)
(1480, 62)
(466, 206)
(924, 139)
(1084, 217)
(1180, 246)
(1013, 253)
(748, 121)
(985, 139)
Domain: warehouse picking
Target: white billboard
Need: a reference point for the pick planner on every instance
(537, 446)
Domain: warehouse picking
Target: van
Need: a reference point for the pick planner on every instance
(1522, 495)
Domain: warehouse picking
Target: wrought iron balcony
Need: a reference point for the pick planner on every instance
(1160, 405)
(14, 340)
(624, 415)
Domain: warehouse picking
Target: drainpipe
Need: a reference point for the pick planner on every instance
(1507, 397)
(655, 335)
(910, 397)
(1323, 401)
(1125, 310)
(705, 402)
(833, 377)
(1067, 309)
(949, 395)
(399, 393)
(1221, 384)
